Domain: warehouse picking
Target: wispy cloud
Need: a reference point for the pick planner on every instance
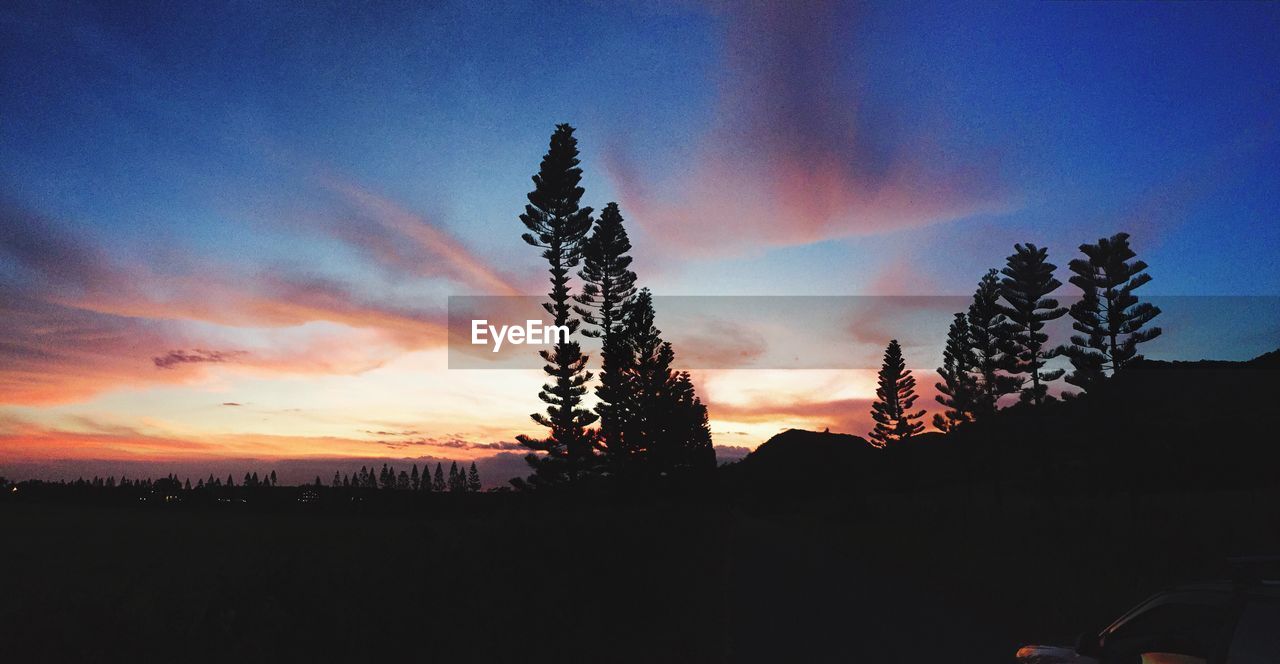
(196, 356)
(797, 156)
(77, 321)
(411, 242)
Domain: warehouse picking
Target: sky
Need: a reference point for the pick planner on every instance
(229, 231)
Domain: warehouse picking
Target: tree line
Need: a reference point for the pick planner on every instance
(648, 421)
(458, 480)
(999, 347)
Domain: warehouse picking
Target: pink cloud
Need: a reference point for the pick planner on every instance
(406, 240)
(77, 322)
(54, 353)
(795, 157)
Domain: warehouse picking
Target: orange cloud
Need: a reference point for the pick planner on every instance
(77, 322)
(24, 441)
(58, 354)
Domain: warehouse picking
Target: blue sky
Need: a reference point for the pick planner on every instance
(266, 176)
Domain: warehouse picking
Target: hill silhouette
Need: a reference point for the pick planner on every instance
(1158, 425)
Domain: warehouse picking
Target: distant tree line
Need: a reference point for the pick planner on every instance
(648, 421)
(459, 480)
(999, 346)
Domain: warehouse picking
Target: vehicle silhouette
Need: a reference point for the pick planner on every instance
(1224, 622)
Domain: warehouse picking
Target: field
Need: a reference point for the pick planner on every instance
(951, 576)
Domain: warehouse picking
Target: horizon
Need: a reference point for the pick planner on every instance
(247, 257)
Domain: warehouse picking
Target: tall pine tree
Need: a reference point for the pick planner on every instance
(608, 284)
(559, 226)
(1108, 316)
(988, 346)
(958, 391)
(473, 478)
(1028, 279)
(895, 397)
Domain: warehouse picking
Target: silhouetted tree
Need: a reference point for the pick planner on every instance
(693, 445)
(988, 346)
(337, 479)
(1108, 315)
(665, 428)
(230, 482)
(958, 391)
(1028, 279)
(473, 478)
(273, 478)
(558, 226)
(895, 396)
(645, 380)
(457, 480)
(414, 480)
(437, 484)
(608, 283)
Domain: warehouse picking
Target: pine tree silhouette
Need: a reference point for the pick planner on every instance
(895, 397)
(1108, 315)
(696, 451)
(337, 479)
(437, 483)
(608, 284)
(457, 478)
(662, 425)
(958, 391)
(1028, 279)
(559, 227)
(415, 482)
(988, 346)
(645, 381)
(473, 478)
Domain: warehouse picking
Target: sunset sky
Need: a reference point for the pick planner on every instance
(228, 230)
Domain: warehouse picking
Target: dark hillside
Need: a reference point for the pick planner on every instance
(1158, 426)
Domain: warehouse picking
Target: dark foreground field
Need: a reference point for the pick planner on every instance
(941, 576)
